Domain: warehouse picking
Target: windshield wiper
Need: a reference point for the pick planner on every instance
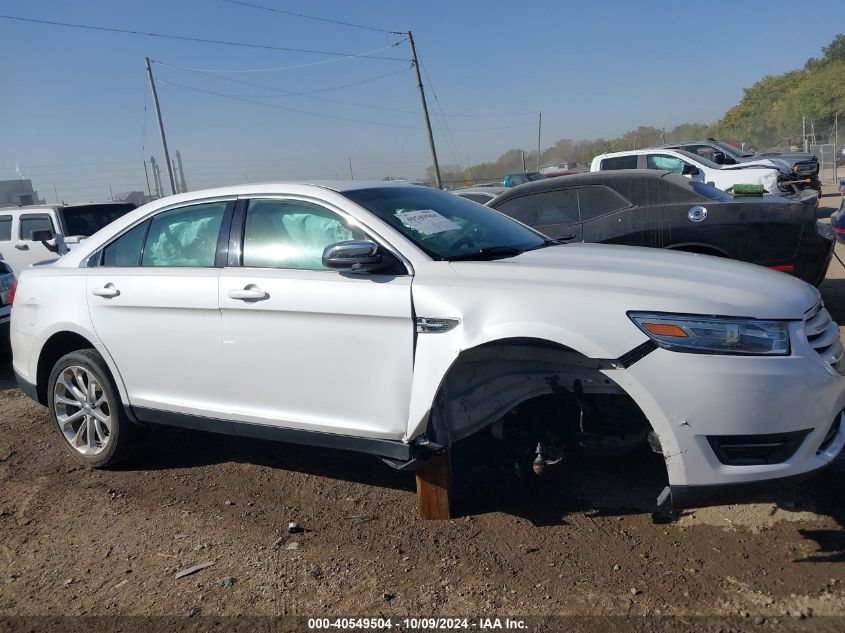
(489, 252)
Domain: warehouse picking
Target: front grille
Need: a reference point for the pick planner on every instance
(753, 450)
(823, 335)
(831, 434)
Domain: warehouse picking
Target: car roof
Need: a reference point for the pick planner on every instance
(587, 178)
(489, 190)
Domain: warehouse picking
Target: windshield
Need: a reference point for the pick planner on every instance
(731, 150)
(695, 158)
(90, 218)
(708, 191)
(446, 226)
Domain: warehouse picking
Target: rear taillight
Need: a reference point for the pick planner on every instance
(12, 293)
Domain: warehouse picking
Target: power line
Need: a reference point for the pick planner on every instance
(311, 17)
(309, 94)
(324, 116)
(365, 54)
(289, 93)
(187, 38)
(278, 107)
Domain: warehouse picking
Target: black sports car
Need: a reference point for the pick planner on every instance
(661, 209)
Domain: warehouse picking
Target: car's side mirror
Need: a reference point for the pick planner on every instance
(42, 235)
(45, 236)
(352, 256)
(720, 158)
(690, 170)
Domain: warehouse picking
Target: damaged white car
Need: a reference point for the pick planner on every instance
(399, 319)
(773, 175)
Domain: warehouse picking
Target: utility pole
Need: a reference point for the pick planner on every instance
(56, 191)
(176, 177)
(160, 125)
(523, 163)
(147, 176)
(539, 133)
(835, 148)
(111, 195)
(416, 64)
(156, 176)
(351, 175)
(804, 133)
(183, 186)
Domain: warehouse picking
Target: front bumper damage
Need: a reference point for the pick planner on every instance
(690, 399)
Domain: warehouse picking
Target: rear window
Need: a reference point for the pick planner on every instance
(88, 219)
(5, 228)
(709, 191)
(480, 198)
(619, 162)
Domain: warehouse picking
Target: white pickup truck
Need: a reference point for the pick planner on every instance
(65, 225)
(771, 174)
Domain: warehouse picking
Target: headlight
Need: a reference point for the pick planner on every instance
(714, 335)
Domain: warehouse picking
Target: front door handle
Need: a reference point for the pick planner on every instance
(108, 291)
(250, 293)
(22, 247)
(566, 238)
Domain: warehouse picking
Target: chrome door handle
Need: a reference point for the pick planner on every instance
(248, 294)
(22, 247)
(108, 291)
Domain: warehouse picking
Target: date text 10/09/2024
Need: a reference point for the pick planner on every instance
(416, 623)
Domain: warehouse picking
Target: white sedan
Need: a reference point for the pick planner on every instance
(771, 174)
(396, 320)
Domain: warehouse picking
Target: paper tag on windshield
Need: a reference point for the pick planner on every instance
(426, 221)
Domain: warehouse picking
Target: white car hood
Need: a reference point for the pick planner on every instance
(648, 279)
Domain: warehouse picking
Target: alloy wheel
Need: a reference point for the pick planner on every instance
(82, 410)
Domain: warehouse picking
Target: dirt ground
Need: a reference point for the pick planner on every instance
(82, 542)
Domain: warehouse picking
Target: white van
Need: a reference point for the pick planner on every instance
(67, 224)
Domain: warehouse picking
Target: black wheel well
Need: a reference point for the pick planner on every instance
(486, 382)
(56, 346)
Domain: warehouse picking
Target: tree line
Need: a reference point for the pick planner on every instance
(769, 114)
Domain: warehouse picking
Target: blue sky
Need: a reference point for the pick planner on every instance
(73, 101)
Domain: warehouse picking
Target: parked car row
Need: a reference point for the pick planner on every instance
(396, 320)
(661, 209)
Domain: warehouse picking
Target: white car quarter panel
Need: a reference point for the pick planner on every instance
(163, 331)
(323, 351)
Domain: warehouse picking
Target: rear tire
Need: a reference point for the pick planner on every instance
(86, 411)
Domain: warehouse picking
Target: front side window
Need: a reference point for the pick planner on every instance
(126, 250)
(292, 234)
(665, 162)
(619, 162)
(186, 236)
(30, 223)
(445, 226)
(5, 228)
(545, 208)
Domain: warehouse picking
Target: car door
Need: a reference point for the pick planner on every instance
(554, 213)
(610, 218)
(24, 251)
(153, 302)
(306, 347)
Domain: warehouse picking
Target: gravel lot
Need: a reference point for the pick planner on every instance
(76, 541)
